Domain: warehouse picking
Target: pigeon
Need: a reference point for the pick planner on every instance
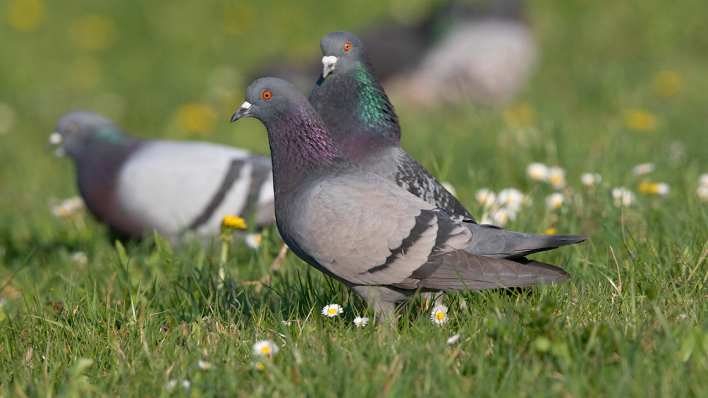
(375, 237)
(362, 120)
(136, 186)
(482, 50)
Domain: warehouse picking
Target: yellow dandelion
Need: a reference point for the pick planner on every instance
(238, 18)
(26, 15)
(520, 115)
(550, 231)
(668, 83)
(197, 118)
(93, 32)
(640, 120)
(233, 222)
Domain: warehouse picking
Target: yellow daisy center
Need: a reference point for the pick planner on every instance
(332, 310)
(260, 366)
(440, 316)
(265, 350)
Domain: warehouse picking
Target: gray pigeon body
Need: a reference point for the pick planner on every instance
(360, 117)
(136, 186)
(366, 232)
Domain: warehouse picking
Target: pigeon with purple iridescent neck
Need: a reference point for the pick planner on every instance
(361, 229)
(362, 120)
(136, 186)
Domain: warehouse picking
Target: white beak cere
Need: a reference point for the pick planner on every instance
(328, 64)
(55, 138)
(246, 105)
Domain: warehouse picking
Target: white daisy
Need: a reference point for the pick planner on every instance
(703, 180)
(170, 385)
(253, 241)
(186, 384)
(454, 339)
(555, 200)
(623, 197)
(68, 207)
(644, 168)
(538, 171)
(439, 315)
(332, 310)
(449, 188)
(502, 216)
(703, 193)
(265, 347)
(556, 176)
(661, 188)
(204, 365)
(79, 258)
(361, 322)
(590, 179)
(258, 365)
(485, 197)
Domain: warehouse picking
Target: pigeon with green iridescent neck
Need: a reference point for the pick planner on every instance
(136, 186)
(377, 238)
(362, 120)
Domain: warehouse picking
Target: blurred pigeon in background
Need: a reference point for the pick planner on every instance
(360, 117)
(357, 227)
(478, 50)
(136, 186)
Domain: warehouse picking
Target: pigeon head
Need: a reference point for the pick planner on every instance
(350, 99)
(342, 50)
(299, 142)
(270, 99)
(80, 132)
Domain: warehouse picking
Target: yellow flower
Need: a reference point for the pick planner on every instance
(26, 15)
(668, 83)
(640, 120)
(198, 118)
(93, 32)
(550, 231)
(520, 115)
(657, 188)
(233, 222)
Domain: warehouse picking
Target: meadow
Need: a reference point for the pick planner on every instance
(618, 84)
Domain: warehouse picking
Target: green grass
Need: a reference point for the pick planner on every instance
(138, 315)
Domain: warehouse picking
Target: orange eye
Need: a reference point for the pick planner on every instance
(347, 46)
(267, 94)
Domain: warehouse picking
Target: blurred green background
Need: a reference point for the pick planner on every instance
(618, 83)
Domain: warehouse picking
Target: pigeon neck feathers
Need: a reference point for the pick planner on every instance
(356, 109)
(301, 148)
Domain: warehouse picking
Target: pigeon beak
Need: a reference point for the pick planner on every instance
(55, 140)
(241, 112)
(328, 63)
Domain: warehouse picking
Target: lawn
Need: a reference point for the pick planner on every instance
(619, 83)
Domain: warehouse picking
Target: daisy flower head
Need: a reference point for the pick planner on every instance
(590, 179)
(485, 197)
(79, 258)
(449, 188)
(702, 192)
(439, 315)
(502, 216)
(253, 241)
(332, 310)
(204, 365)
(538, 172)
(258, 365)
(623, 197)
(170, 385)
(361, 322)
(454, 339)
(556, 176)
(68, 207)
(555, 201)
(186, 384)
(657, 188)
(265, 347)
(703, 180)
(642, 169)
